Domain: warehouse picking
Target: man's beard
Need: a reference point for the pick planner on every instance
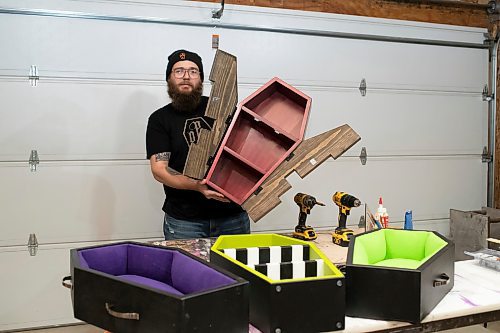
(185, 101)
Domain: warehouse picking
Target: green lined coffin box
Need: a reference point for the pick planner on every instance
(293, 285)
(398, 274)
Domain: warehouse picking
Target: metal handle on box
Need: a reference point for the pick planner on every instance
(121, 315)
(442, 280)
(65, 284)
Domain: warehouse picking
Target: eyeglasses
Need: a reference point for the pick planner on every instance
(192, 72)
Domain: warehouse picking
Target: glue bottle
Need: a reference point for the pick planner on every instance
(384, 219)
(380, 212)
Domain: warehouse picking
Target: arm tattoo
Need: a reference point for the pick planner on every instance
(173, 171)
(163, 156)
(166, 157)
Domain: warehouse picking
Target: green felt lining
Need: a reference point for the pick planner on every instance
(396, 248)
(399, 263)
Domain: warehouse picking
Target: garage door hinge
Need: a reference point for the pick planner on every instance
(487, 97)
(363, 156)
(32, 245)
(486, 156)
(489, 40)
(33, 76)
(362, 87)
(34, 160)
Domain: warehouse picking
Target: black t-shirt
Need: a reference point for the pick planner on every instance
(172, 131)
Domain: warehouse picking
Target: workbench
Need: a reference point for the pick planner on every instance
(474, 299)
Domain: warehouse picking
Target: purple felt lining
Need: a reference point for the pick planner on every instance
(189, 275)
(151, 283)
(155, 267)
(107, 259)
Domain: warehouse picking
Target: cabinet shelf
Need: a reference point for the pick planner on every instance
(244, 160)
(276, 128)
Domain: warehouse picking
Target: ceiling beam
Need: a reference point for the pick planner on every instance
(470, 13)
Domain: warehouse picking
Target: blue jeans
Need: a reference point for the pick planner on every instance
(182, 229)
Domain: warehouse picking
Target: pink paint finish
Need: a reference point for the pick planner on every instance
(266, 128)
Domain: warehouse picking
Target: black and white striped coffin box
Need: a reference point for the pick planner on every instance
(274, 296)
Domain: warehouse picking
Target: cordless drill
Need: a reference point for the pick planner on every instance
(342, 235)
(306, 203)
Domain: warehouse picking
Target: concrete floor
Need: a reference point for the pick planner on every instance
(492, 328)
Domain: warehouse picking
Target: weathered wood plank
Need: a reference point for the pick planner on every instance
(221, 105)
(306, 157)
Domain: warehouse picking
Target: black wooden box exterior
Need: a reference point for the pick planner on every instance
(221, 310)
(294, 307)
(394, 293)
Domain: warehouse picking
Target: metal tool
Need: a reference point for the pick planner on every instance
(342, 234)
(306, 203)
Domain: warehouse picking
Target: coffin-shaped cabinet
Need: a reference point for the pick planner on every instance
(266, 128)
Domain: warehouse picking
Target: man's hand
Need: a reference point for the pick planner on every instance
(210, 194)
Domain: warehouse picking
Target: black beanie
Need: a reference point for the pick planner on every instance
(181, 55)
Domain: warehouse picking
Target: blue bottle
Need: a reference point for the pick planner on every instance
(408, 220)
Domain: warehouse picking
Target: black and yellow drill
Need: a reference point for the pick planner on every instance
(342, 234)
(306, 203)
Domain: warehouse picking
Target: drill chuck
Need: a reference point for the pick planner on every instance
(309, 201)
(306, 201)
(350, 201)
(345, 201)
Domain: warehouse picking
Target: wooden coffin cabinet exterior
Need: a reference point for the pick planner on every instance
(267, 126)
(221, 106)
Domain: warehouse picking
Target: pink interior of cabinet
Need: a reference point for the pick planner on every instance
(234, 177)
(268, 126)
(281, 106)
(257, 142)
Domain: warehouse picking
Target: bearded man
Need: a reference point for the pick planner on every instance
(192, 209)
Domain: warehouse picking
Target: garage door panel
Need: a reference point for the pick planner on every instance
(76, 121)
(404, 123)
(31, 286)
(342, 62)
(111, 122)
(80, 202)
(89, 48)
(28, 291)
(76, 50)
(399, 123)
(428, 186)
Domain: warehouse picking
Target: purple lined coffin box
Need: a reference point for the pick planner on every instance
(133, 287)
